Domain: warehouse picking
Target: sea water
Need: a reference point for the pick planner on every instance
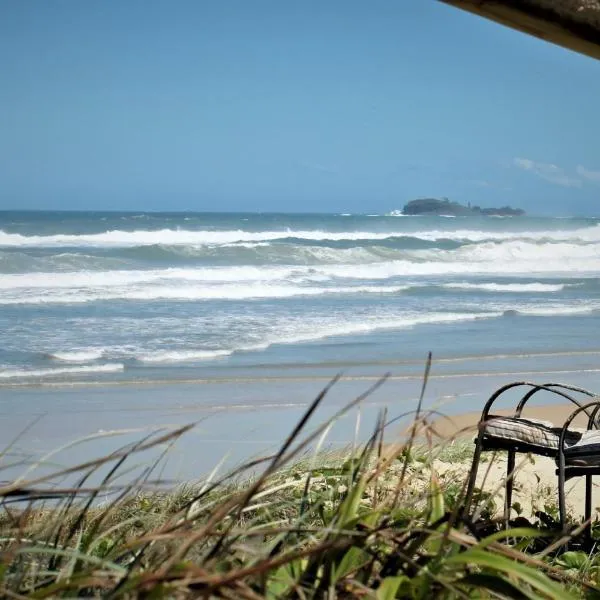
(115, 324)
(138, 297)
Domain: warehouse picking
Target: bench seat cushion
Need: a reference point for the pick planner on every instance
(586, 452)
(529, 434)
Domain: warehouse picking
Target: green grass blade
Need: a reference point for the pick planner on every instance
(496, 584)
(390, 586)
(73, 554)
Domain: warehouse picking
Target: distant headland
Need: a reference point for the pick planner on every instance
(433, 206)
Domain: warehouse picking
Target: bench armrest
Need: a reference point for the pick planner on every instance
(555, 388)
(592, 409)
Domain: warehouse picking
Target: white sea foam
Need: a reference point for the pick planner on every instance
(176, 237)
(87, 279)
(512, 250)
(119, 238)
(507, 287)
(359, 263)
(79, 356)
(559, 310)
(42, 373)
(318, 331)
(286, 332)
(170, 356)
(281, 281)
(252, 291)
(296, 332)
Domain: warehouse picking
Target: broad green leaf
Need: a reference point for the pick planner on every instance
(390, 586)
(349, 507)
(436, 500)
(574, 560)
(352, 560)
(284, 578)
(530, 575)
(517, 532)
(496, 583)
(371, 518)
(436, 512)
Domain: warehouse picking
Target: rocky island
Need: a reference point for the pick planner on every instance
(444, 207)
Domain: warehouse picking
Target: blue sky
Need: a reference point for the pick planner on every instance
(264, 105)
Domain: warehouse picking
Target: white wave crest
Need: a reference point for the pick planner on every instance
(42, 373)
(558, 310)
(79, 356)
(507, 287)
(169, 356)
(118, 238)
(490, 257)
(172, 276)
(175, 237)
(187, 293)
(512, 258)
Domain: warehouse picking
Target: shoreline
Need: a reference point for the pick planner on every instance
(287, 379)
(218, 444)
(238, 419)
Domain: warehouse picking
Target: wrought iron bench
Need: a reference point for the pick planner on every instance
(576, 451)
(579, 459)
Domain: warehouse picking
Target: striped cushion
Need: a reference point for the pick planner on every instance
(532, 433)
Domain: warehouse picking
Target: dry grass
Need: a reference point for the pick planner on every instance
(376, 522)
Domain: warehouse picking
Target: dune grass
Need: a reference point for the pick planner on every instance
(376, 521)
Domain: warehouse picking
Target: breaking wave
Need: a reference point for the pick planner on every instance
(43, 373)
(525, 288)
(554, 311)
(189, 293)
(171, 356)
(78, 356)
(178, 237)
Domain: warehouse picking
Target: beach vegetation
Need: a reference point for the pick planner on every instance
(379, 520)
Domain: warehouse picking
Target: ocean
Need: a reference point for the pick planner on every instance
(114, 324)
(135, 297)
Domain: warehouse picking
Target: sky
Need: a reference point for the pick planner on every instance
(264, 105)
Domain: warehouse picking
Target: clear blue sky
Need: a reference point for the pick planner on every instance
(342, 105)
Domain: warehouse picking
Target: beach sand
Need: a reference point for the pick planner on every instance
(535, 485)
